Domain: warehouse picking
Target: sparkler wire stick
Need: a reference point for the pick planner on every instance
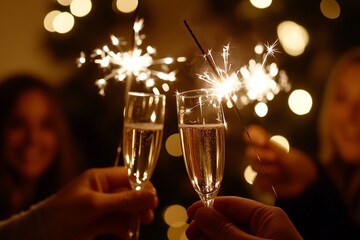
(212, 64)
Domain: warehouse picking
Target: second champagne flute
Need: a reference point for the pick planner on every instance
(202, 134)
(142, 137)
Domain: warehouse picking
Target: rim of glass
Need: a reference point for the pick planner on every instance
(142, 94)
(197, 92)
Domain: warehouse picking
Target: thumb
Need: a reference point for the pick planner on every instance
(216, 226)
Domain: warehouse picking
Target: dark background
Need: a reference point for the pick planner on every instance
(96, 120)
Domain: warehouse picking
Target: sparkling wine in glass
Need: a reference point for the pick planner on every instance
(142, 137)
(202, 133)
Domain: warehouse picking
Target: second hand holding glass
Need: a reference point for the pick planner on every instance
(202, 133)
(142, 137)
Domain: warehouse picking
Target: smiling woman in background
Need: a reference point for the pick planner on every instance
(37, 155)
(321, 194)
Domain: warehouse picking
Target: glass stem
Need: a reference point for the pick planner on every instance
(134, 228)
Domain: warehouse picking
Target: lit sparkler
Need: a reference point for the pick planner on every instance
(225, 83)
(262, 81)
(257, 81)
(134, 63)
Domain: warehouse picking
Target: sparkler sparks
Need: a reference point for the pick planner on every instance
(257, 81)
(262, 81)
(134, 63)
(223, 81)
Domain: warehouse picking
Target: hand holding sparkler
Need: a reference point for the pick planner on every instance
(292, 172)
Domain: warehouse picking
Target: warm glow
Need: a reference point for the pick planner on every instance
(181, 59)
(49, 20)
(300, 102)
(177, 233)
(165, 87)
(126, 6)
(261, 3)
(249, 175)
(261, 109)
(175, 215)
(330, 8)
(153, 117)
(173, 145)
(80, 8)
(293, 37)
(156, 91)
(64, 2)
(63, 22)
(281, 142)
(259, 49)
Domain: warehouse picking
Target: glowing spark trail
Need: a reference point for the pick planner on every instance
(136, 62)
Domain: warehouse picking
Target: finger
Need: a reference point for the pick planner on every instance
(148, 186)
(262, 182)
(272, 171)
(127, 201)
(215, 226)
(266, 154)
(107, 179)
(258, 135)
(193, 231)
(230, 207)
(193, 208)
(147, 217)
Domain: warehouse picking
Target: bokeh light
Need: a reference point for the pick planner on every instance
(293, 37)
(300, 102)
(261, 109)
(173, 145)
(64, 2)
(261, 3)
(165, 87)
(49, 20)
(126, 6)
(80, 8)
(281, 141)
(249, 175)
(175, 215)
(177, 233)
(330, 9)
(63, 22)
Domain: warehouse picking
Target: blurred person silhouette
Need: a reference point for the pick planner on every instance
(97, 203)
(37, 155)
(321, 194)
(234, 218)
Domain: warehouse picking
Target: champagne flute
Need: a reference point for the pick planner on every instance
(202, 133)
(142, 137)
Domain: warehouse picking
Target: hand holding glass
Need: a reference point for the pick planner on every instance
(202, 134)
(142, 137)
